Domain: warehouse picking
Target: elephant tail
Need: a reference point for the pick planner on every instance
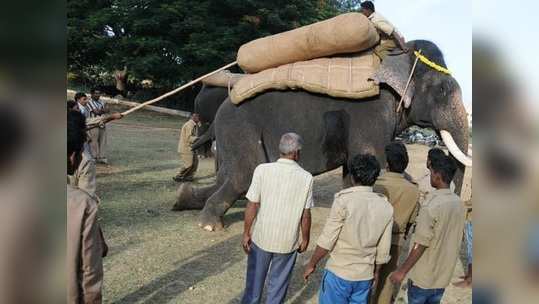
(205, 138)
(264, 149)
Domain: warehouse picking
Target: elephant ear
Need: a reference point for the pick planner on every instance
(394, 71)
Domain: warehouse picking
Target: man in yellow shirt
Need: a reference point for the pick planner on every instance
(390, 37)
(189, 158)
(403, 195)
(437, 238)
(357, 235)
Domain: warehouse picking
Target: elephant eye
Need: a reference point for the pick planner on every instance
(442, 90)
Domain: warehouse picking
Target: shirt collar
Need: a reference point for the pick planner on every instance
(442, 191)
(286, 161)
(372, 16)
(393, 174)
(360, 189)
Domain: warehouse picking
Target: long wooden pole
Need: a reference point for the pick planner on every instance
(176, 90)
(408, 83)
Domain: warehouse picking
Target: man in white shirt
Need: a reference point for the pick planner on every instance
(390, 37)
(280, 199)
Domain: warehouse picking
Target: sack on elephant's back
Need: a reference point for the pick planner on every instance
(346, 33)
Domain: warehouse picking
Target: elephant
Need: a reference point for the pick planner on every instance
(333, 130)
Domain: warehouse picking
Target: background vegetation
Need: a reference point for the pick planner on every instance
(173, 41)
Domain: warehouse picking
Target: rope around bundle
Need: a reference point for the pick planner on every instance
(431, 64)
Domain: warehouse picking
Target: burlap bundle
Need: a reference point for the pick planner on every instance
(346, 33)
(222, 79)
(343, 77)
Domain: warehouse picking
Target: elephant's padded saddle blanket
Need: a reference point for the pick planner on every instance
(342, 77)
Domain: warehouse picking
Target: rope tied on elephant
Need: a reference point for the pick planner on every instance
(408, 82)
(431, 64)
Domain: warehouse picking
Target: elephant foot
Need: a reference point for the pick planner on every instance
(186, 199)
(211, 222)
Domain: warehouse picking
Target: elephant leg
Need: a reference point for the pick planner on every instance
(191, 198)
(211, 217)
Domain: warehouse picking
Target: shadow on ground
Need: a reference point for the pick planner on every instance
(193, 270)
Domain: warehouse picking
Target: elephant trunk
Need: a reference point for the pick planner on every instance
(453, 129)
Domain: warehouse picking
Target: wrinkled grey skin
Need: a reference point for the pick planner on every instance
(333, 130)
(207, 103)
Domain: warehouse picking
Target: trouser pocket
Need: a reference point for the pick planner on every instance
(323, 288)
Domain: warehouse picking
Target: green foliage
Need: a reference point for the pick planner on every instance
(173, 41)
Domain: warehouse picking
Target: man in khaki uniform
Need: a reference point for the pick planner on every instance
(357, 235)
(403, 196)
(437, 239)
(390, 38)
(189, 159)
(84, 177)
(85, 243)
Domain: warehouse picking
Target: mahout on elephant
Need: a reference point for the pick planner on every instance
(334, 130)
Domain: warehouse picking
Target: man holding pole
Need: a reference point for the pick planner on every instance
(98, 136)
(189, 159)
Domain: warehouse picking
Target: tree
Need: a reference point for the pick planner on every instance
(174, 41)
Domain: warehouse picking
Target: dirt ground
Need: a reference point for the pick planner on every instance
(160, 256)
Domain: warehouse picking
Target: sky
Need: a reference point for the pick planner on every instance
(448, 23)
(514, 35)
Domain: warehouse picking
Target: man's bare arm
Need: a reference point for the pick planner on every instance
(305, 230)
(95, 122)
(319, 253)
(250, 214)
(400, 41)
(416, 253)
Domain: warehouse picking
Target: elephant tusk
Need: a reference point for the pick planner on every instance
(454, 149)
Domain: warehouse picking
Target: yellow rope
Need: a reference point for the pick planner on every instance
(431, 64)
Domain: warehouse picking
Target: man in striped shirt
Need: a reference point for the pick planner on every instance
(98, 136)
(280, 199)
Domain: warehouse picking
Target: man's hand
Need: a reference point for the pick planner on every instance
(303, 246)
(116, 115)
(397, 277)
(246, 243)
(376, 278)
(309, 269)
